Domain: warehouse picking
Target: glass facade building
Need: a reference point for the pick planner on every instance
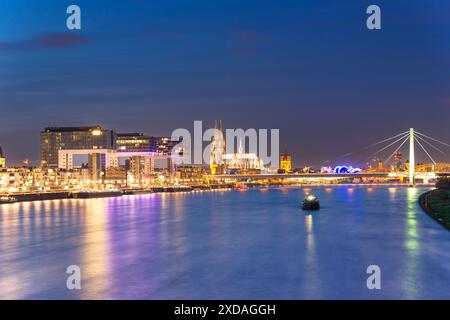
(140, 143)
(133, 142)
(164, 145)
(66, 138)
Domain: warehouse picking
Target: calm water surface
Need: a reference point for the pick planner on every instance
(254, 244)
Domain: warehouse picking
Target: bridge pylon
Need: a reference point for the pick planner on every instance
(412, 162)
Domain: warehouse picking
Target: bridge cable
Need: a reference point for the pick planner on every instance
(445, 144)
(417, 140)
(367, 147)
(392, 154)
(385, 140)
(382, 149)
(435, 148)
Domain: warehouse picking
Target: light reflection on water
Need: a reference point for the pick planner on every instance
(96, 254)
(412, 245)
(254, 244)
(312, 282)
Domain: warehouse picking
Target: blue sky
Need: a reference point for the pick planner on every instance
(309, 68)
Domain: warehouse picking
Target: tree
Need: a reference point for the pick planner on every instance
(443, 183)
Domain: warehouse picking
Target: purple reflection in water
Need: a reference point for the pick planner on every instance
(255, 244)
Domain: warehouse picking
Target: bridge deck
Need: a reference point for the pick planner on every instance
(299, 176)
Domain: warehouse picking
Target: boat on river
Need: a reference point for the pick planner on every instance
(311, 202)
(7, 199)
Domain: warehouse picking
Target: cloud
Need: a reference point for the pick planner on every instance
(45, 41)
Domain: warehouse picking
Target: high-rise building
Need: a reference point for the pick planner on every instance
(66, 138)
(140, 142)
(2, 159)
(380, 166)
(373, 162)
(398, 160)
(136, 166)
(286, 161)
(134, 142)
(141, 166)
(164, 145)
(104, 149)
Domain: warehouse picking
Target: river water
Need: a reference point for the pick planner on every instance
(254, 244)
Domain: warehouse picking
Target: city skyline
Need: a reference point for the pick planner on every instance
(358, 156)
(224, 156)
(286, 65)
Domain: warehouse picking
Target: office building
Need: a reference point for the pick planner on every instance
(134, 142)
(54, 139)
(164, 145)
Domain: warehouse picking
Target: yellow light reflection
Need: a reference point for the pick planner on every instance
(313, 277)
(412, 244)
(392, 190)
(411, 223)
(95, 264)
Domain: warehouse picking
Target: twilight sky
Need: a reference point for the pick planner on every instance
(310, 68)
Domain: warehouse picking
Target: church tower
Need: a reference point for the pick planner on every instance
(2, 159)
(217, 149)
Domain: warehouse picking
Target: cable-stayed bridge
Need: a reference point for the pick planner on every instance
(393, 144)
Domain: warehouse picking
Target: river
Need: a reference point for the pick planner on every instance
(254, 244)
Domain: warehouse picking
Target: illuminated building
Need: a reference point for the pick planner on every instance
(164, 145)
(138, 166)
(373, 163)
(221, 162)
(218, 148)
(286, 162)
(54, 139)
(2, 159)
(346, 169)
(241, 161)
(380, 166)
(190, 173)
(133, 142)
(327, 169)
(116, 176)
(433, 167)
(141, 166)
(104, 148)
(138, 142)
(398, 161)
(9, 178)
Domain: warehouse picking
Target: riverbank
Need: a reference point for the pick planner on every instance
(436, 203)
(59, 194)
